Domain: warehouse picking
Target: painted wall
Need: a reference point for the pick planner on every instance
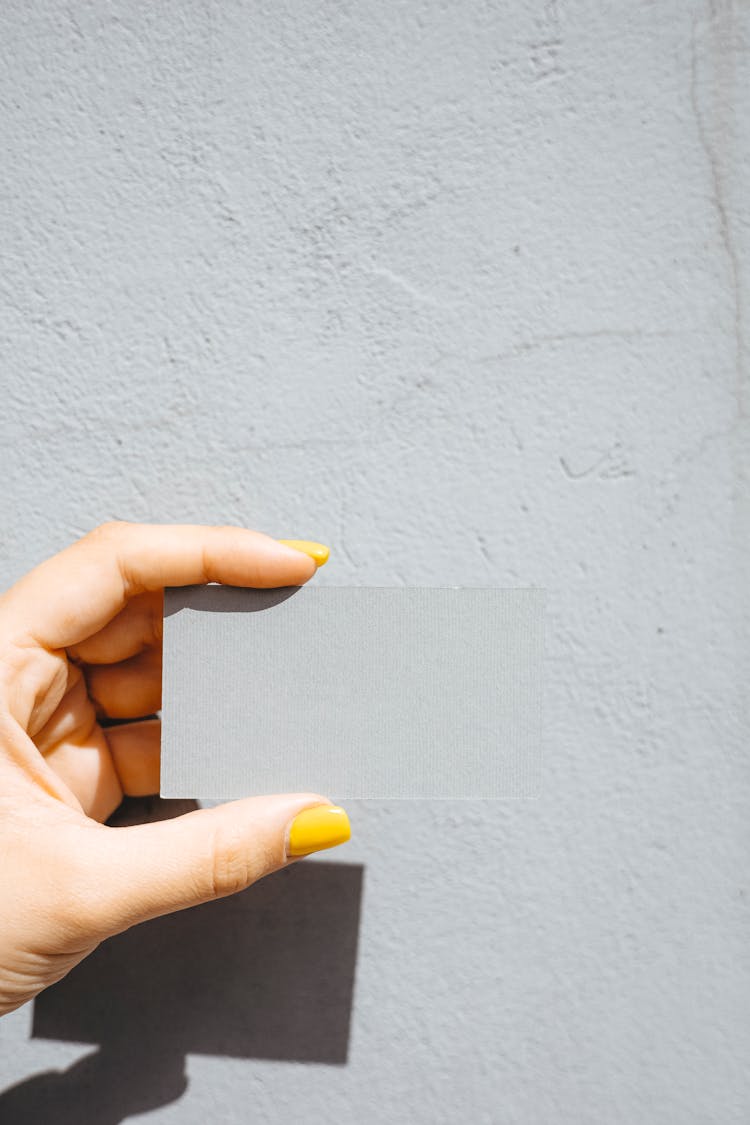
(461, 289)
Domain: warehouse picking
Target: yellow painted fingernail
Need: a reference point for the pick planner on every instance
(324, 826)
(318, 552)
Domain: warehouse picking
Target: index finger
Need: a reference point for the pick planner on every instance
(72, 595)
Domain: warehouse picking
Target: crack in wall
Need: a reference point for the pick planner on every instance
(718, 197)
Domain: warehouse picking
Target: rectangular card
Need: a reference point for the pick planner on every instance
(382, 692)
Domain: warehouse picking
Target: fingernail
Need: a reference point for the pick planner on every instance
(325, 826)
(318, 552)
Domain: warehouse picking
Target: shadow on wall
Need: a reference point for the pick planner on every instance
(247, 976)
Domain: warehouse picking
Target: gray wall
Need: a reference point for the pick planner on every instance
(461, 289)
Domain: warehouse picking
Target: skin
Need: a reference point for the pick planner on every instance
(80, 640)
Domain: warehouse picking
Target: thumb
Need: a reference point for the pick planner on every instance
(151, 869)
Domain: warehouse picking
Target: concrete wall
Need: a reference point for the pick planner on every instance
(461, 289)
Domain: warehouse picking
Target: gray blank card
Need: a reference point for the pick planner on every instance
(351, 692)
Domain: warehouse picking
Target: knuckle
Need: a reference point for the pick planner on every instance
(107, 533)
(111, 528)
(230, 869)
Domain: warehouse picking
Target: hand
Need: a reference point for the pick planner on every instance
(80, 640)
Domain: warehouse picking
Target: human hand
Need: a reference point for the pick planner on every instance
(80, 641)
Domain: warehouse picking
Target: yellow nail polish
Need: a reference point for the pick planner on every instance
(318, 552)
(324, 826)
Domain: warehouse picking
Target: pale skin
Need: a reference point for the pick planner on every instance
(80, 640)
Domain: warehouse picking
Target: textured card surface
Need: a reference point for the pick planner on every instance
(351, 692)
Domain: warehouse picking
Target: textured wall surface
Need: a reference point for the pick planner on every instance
(461, 289)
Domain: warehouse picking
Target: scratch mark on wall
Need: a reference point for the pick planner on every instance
(538, 343)
(580, 475)
(611, 465)
(407, 287)
(483, 550)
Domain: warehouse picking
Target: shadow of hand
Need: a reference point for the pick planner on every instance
(105, 1087)
(267, 973)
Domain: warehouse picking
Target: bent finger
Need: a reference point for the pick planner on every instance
(74, 594)
(136, 627)
(129, 690)
(89, 772)
(136, 754)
